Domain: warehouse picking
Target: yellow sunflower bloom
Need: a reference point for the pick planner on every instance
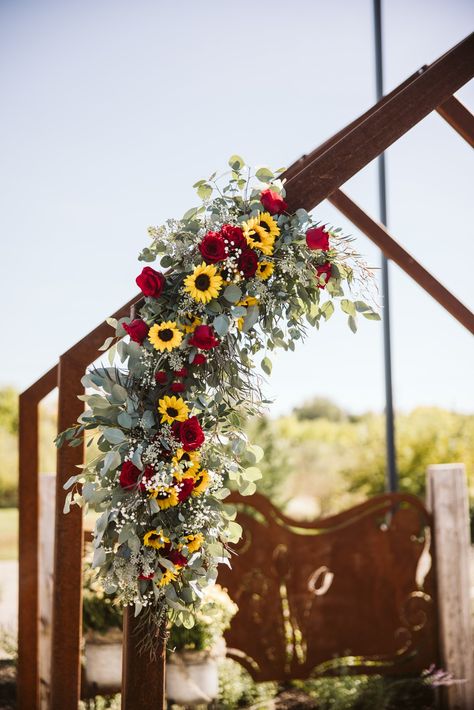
(248, 301)
(156, 539)
(260, 233)
(204, 283)
(190, 322)
(165, 336)
(167, 577)
(187, 462)
(194, 542)
(173, 409)
(201, 482)
(265, 270)
(165, 497)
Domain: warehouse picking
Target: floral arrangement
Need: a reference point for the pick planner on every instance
(243, 277)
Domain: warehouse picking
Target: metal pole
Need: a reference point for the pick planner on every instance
(391, 471)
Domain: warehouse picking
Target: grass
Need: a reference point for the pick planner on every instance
(8, 533)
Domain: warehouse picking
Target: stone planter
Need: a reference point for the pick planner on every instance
(192, 677)
(103, 660)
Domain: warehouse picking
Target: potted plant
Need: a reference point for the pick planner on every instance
(102, 623)
(192, 675)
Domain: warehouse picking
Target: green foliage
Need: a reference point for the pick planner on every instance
(9, 410)
(238, 690)
(320, 408)
(100, 611)
(210, 621)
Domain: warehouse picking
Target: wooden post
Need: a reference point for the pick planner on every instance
(47, 489)
(143, 680)
(447, 499)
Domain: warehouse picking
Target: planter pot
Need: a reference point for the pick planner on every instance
(192, 677)
(103, 656)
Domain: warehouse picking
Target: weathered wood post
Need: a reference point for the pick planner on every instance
(448, 501)
(143, 679)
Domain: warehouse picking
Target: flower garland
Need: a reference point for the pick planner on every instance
(244, 276)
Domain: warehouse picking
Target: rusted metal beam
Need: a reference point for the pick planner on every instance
(28, 678)
(381, 237)
(143, 679)
(459, 117)
(369, 138)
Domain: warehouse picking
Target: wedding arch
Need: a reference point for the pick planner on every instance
(311, 179)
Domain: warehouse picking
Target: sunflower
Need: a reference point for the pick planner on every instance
(194, 542)
(260, 233)
(204, 283)
(201, 482)
(173, 409)
(248, 301)
(156, 539)
(167, 577)
(165, 336)
(165, 497)
(187, 460)
(190, 322)
(265, 270)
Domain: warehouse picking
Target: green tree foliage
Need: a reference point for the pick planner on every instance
(9, 410)
(320, 408)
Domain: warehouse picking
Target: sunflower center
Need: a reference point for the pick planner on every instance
(199, 481)
(162, 495)
(154, 537)
(172, 412)
(202, 282)
(265, 226)
(185, 457)
(166, 334)
(255, 236)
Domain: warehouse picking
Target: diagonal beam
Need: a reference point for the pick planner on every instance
(380, 236)
(384, 126)
(459, 117)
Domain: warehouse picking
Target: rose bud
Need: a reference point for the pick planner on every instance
(137, 330)
(181, 373)
(199, 359)
(317, 238)
(177, 387)
(324, 269)
(273, 202)
(248, 262)
(161, 377)
(151, 282)
(204, 338)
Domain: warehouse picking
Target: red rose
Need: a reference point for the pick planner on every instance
(151, 282)
(181, 373)
(137, 330)
(317, 238)
(248, 262)
(161, 377)
(199, 359)
(190, 434)
(204, 338)
(177, 387)
(177, 558)
(186, 487)
(233, 237)
(212, 248)
(146, 576)
(324, 269)
(273, 202)
(128, 475)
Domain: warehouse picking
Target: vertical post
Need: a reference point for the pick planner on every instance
(67, 593)
(447, 499)
(28, 604)
(391, 477)
(143, 679)
(47, 490)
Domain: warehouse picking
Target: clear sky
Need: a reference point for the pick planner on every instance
(112, 109)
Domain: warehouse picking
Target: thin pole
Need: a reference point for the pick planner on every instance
(391, 471)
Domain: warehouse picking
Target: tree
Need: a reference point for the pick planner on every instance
(320, 408)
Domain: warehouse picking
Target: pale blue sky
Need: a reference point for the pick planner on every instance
(111, 110)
